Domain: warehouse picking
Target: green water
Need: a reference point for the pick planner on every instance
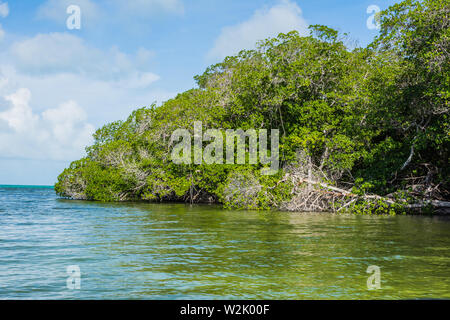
(177, 251)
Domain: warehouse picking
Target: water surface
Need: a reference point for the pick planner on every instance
(177, 251)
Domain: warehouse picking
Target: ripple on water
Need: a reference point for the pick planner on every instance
(176, 251)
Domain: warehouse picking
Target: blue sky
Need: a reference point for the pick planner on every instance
(58, 85)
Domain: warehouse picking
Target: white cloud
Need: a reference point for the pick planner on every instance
(19, 117)
(66, 53)
(148, 7)
(92, 12)
(4, 9)
(63, 72)
(61, 133)
(103, 100)
(54, 52)
(268, 22)
(139, 80)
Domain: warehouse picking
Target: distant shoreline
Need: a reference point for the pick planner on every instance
(18, 186)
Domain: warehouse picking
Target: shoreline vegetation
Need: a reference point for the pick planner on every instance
(364, 131)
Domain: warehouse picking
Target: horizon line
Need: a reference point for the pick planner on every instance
(26, 185)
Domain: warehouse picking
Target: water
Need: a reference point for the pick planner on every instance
(176, 251)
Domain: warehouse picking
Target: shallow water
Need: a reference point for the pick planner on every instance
(176, 251)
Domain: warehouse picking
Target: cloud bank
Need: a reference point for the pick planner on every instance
(46, 79)
(57, 134)
(66, 53)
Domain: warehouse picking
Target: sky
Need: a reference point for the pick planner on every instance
(60, 81)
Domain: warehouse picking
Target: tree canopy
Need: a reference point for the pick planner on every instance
(369, 120)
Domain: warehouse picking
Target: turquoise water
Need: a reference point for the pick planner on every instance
(177, 251)
(9, 186)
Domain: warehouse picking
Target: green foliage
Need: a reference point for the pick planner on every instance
(245, 188)
(375, 118)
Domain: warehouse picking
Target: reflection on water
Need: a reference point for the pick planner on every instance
(177, 251)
